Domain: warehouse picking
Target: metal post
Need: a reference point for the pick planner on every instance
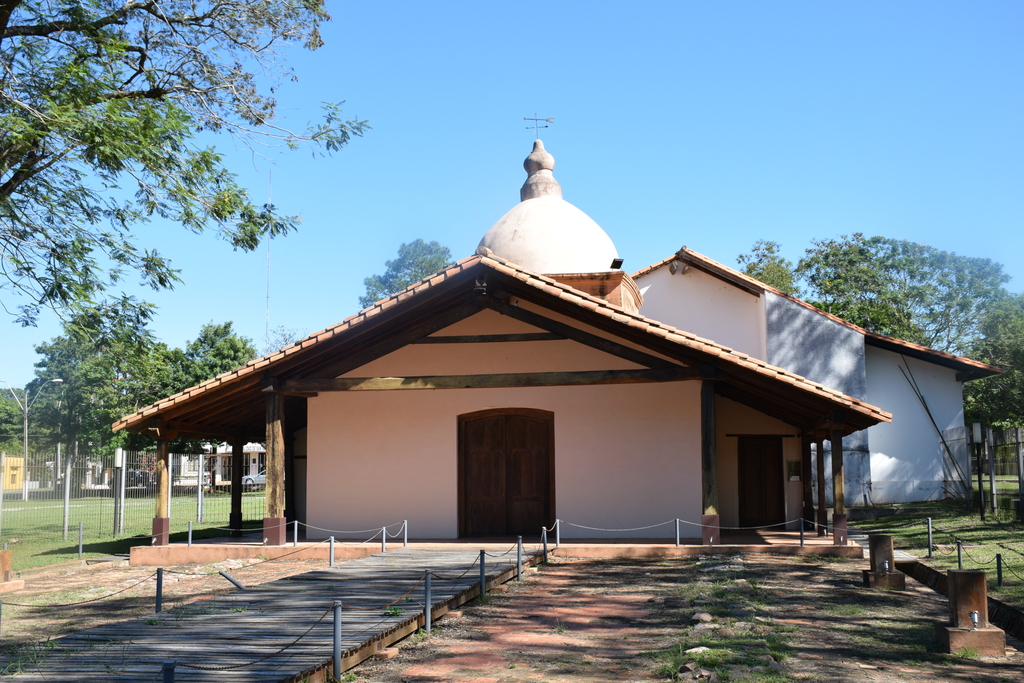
(238, 584)
(999, 569)
(801, 532)
(200, 499)
(3, 479)
(1020, 474)
(167, 670)
(159, 589)
(483, 573)
(332, 551)
(677, 532)
(337, 640)
(405, 533)
(1, 615)
(959, 554)
(929, 538)
(383, 539)
(519, 559)
(976, 433)
(427, 597)
(117, 497)
(558, 532)
(295, 534)
(67, 491)
(990, 457)
(81, 537)
(544, 542)
(122, 484)
(190, 533)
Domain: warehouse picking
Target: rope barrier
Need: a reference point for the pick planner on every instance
(257, 563)
(455, 578)
(228, 667)
(400, 597)
(639, 528)
(507, 552)
(361, 531)
(976, 561)
(84, 602)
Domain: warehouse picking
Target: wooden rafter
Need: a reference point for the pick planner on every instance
(515, 379)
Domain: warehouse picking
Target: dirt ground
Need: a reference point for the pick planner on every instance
(764, 618)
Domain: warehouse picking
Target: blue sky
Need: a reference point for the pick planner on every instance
(706, 124)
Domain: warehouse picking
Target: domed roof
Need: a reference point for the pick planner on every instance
(544, 233)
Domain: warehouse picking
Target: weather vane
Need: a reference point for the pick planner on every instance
(536, 124)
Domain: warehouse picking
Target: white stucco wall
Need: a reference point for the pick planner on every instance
(739, 420)
(704, 305)
(906, 455)
(625, 455)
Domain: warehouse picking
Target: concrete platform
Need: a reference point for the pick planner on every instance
(776, 542)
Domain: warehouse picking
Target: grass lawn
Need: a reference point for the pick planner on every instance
(33, 529)
(1001, 534)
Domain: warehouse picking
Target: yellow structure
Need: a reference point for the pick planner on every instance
(14, 473)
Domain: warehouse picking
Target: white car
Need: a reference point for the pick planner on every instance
(257, 480)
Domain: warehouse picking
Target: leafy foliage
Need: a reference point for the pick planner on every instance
(105, 381)
(999, 400)
(101, 102)
(415, 261)
(893, 287)
(765, 263)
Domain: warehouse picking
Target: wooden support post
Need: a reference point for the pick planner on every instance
(162, 514)
(709, 466)
(274, 524)
(806, 478)
(883, 573)
(822, 507)
(838, 475)
(237, 461)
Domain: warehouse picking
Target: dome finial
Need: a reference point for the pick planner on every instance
(541, 181)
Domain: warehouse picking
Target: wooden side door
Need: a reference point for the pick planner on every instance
(506, 472)
(761, 481)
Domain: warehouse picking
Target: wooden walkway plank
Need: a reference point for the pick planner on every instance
(276, 623)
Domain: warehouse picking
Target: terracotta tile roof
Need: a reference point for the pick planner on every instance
(974, 368)
(254, 369)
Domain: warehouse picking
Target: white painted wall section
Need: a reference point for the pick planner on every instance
(699, 303)
(906, 455)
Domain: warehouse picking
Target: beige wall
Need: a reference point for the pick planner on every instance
(625, 456)
(737, 419)
(702, 304)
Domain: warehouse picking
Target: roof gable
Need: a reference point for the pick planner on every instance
(232, 404)
(967, 368)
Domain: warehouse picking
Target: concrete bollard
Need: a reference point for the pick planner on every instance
(882, 573)
(839, 535)
(968, 627)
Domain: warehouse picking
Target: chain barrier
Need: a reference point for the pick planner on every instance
(976, 561)
(84, 602)
(228, 667)
(672, 521)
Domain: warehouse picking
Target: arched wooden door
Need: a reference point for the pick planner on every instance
(506, 472)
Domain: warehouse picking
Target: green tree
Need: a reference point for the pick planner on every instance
(903, 289)
(106, 381)
(216, 350)
(416, 260)
(999, 400)
(101, 105)
(765, 263)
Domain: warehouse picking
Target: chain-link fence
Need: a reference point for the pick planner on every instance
(46, 499)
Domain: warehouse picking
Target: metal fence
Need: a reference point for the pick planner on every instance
(49, 497)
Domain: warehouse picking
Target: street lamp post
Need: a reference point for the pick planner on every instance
(25, 407)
